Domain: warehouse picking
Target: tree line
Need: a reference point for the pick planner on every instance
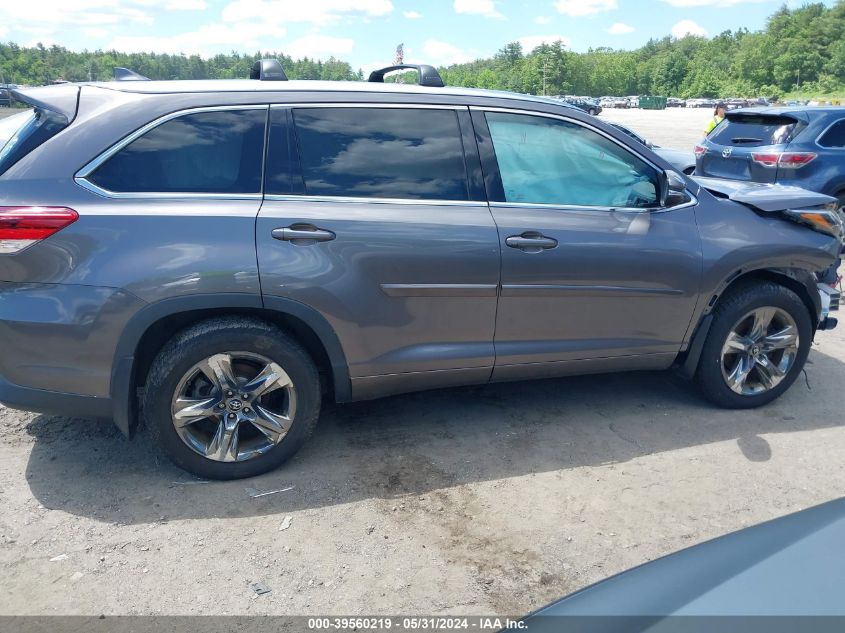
(799, 49)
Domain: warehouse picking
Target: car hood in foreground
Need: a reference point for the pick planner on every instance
(765, 197)
(792, 566)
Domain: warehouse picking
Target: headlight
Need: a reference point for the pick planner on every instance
(825, 219)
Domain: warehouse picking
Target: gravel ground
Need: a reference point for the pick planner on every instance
(467, 501)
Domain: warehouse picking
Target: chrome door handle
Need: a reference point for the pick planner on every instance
(302, 232)
(531, 242)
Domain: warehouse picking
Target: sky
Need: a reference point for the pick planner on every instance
(366, 32)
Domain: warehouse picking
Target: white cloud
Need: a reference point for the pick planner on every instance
(530, 42)
(487, 8)
(577, 8)
(620, 28)
(96, 33)
(442, 53)
(687, 27)
(412, 15)
(542, 19)
(205, 41)
(3, 30)
(319, 46)
(312, 11)
(708, 3)
(187, 5)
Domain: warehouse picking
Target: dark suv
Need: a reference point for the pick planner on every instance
(791, 146)
(215, 257)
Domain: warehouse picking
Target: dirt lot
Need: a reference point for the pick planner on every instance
(678, 128)
(468, 501)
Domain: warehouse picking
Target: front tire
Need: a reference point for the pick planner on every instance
(757, 345)
(231, 397)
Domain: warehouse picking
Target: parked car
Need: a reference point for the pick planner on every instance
(215, 257)
(799, 146)
(761, 578)
(607, 102)
(683, 161)
(674, 102)
(5, 98)
(586, 105)
(633, 101)
(621, 102)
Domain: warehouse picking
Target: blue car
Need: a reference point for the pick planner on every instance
(799, 146)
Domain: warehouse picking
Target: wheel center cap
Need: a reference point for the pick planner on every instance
(755, 350)
(235, 404)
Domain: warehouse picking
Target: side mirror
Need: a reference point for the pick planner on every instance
(673, 189)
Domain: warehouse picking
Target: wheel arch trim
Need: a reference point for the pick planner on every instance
(800, 281)
(124, 366)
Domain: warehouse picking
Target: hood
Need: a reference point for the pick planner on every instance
(765, 197)
(794, 565)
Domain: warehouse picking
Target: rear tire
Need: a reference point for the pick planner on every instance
(746, 362)
(231, 397)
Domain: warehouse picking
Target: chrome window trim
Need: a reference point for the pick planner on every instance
(364, 104)
(361, 200)
(693, 199)
(81, 176)
(825, 131)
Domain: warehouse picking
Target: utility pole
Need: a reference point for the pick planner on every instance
(545, 70)
(398, 60)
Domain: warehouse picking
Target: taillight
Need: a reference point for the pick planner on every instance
(766, 160)
(787, 160)
(700, 151)
(794, 160)
(23, 226)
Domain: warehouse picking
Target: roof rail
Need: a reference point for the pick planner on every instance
(426, 75)
(124, 74)
(268, 70)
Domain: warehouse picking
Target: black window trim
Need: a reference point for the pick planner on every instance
(81, 176)
(493, 178)
(825, 131)
(470, 155)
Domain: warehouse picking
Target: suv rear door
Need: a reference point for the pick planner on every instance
(591, 268)
(374, 217)
(746, 145)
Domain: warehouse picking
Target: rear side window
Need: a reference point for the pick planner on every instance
(756, 130)
(21, 133)
(835, 135)
(204, 152)
(381, 153)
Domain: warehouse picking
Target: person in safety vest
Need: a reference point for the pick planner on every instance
(718, 117)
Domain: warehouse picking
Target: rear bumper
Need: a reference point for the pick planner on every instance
(54, 402)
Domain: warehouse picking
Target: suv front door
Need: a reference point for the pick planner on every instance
(592, 269)
(374, 217)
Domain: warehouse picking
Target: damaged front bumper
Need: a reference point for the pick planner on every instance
(829, 303)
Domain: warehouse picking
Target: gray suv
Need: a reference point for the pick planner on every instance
(213, 258)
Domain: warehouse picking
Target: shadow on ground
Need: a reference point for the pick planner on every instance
(421, 442)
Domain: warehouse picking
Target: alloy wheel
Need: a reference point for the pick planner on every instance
(233, 406)
(759, 351)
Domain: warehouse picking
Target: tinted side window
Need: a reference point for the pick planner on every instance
(548, 161)
(835, 135)
(204, 152)
(381, 153)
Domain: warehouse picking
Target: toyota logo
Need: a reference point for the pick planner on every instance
(235, 404)
(726, 153)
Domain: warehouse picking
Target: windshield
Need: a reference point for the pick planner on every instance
(11, 124)
(21, 133)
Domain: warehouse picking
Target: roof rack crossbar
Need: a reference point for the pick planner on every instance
(426, 75)
(124, 74)
(268, 70)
